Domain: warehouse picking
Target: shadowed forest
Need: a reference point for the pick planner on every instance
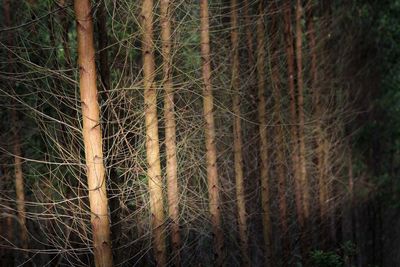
(200, 133)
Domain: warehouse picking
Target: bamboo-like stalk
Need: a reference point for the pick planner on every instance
(211, 150)
(92, 136)
(170, 129)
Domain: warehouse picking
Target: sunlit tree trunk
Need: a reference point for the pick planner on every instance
(211, 150)
(237, 136)
(92, 136)
(19, 178)
(170, 129)
(263, 132)
(152, 140)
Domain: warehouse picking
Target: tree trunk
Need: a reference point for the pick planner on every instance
(19, 178)
(211, 150)
(263, 132)
(152, 141)
(279, 132)
(92, 136)
(170, 130)
(19, 181)
(293, 112)
(300, 101)
(237, 136)
(293, 127)
(319, 139)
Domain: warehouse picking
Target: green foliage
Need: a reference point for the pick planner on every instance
(349, 248)
(321, 258)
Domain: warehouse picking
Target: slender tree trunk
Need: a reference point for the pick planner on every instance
(319, 139)
(19, 182)
(293, 112)
(237, 136)
(294, 127)
(300, 101)
(170, 129)
(152, 141)
(211, 150)
(92, 136)
(263, 132)
(19, 178)
(280, 139)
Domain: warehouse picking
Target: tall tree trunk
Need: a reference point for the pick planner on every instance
(279, 131)
(319, 139)
(152, 141)
(300, 101)
(211, 150)
(170, 129)
(293, 127)
(92, 136)
(263, 132)
(19, 178)
(237, 136)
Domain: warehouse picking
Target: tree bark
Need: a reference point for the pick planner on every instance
(19, 177)
(170, 129)
(237, 136)
(293, 112)
(19, 182)
(211, 150)
(300, 102)
(263, 132)
(92, 136)
(152, 140)
(294, 127)
(279, 132)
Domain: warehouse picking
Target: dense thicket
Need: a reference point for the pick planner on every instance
(199, 133)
